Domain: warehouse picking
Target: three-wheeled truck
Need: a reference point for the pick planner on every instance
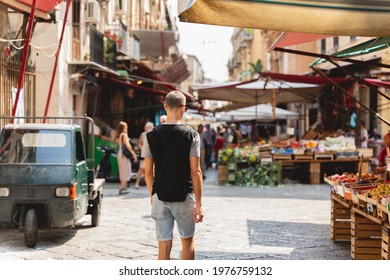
(46, 178)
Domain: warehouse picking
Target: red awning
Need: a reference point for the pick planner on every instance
(43, 7)
(291, 38)
(303, 79)
(377, 83)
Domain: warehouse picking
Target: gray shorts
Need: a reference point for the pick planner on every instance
(165, 213)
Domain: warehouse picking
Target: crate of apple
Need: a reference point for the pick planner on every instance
(344, 178)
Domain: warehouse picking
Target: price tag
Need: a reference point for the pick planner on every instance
(370, 207)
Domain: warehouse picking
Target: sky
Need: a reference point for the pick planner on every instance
(210, 44)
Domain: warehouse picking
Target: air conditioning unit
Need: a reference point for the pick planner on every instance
(120, 7)
(92, 14)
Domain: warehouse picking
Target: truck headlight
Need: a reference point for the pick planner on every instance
(62, 192)
(4, 192)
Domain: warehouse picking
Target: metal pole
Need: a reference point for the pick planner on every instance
(256, 101)
(24, 58)
(68, 2)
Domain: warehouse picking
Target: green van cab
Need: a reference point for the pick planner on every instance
(46, 178)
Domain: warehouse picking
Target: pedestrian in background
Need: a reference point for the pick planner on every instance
(163, 119)
(209, 144)
(176, 185)
(148, 127)
(202, 149)
(384, 156)
(124, 163)
(236, 134)
(219, 142)
(363, 135)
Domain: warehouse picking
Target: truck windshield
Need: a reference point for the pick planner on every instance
(35, 146)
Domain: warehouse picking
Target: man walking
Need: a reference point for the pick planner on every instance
(175, 186)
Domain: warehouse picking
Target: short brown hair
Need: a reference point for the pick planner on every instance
(175, 99)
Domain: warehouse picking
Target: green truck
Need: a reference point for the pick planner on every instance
(47, 177)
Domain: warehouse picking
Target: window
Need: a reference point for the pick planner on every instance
(80, 155)
(323, 46)
(335, 43)
(34, 146)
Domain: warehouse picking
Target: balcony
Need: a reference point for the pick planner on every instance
(118, 33)
(102, 50)
(155, 43)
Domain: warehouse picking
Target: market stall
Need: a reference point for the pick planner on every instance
(305, 161)
(360, 212)
(249, 166)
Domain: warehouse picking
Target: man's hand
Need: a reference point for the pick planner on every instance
(198, 214)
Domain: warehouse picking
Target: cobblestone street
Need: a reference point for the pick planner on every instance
(287, 222)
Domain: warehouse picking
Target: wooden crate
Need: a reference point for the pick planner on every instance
(385, 243)
(281, 157)
(222, 174)
(366, 238)
(383, 213)
(340, 223)
(303, 157)
(318, 156)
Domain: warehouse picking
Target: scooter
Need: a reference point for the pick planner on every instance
(103, 169)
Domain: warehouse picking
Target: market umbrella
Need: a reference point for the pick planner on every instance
(263, 112)
(244, 94)
(330, 17)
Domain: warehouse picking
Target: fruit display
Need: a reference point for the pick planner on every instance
(352, 177)
(345, 178)
(379, 192)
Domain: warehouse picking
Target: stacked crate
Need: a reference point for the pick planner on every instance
(222, 174)
(340, 224)
(385, 243)
(366, 238)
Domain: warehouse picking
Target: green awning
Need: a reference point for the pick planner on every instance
(370, 46)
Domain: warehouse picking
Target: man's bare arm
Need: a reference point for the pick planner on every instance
(197, 183)
(149, 174)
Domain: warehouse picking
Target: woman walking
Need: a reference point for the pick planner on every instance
(124, 163)
(148, 127)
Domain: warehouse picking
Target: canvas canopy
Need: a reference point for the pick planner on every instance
(329, 17)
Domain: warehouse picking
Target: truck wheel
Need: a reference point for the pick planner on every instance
(31, 228)
(95, 213)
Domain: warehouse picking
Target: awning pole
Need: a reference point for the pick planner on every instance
(24, 58)
(68, 2)
(352, 96)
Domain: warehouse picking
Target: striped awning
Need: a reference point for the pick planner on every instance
(326, 17)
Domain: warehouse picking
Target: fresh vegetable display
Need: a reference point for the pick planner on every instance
(258, 175)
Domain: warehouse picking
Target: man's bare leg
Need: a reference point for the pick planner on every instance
(164, 250)
(187, 251)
